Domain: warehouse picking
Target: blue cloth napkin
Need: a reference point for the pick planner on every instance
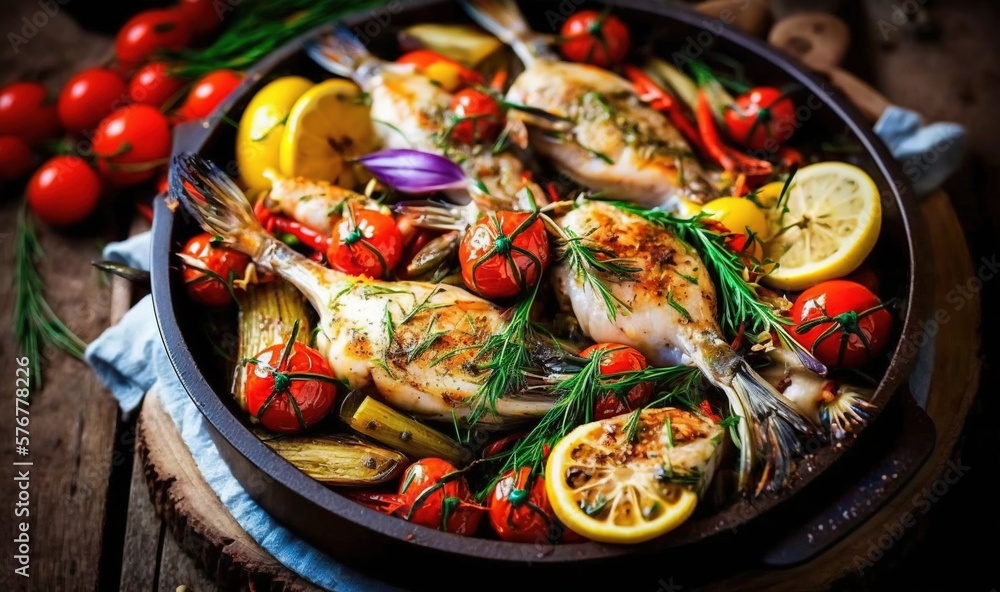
(129, 359)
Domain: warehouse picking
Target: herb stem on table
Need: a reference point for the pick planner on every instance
(35, 323)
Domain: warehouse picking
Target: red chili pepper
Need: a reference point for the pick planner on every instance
(738, 340)
(387, 503)
(707, 411)
(500, 444)
(425, 58)
(499, 80)
(728, 158)
(789, 157)
(309, 237)
(553, 192)
(659, 99)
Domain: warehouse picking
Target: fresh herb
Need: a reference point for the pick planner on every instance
(424, 344)
(504, 357)
(596, 266)
(35, 323)
(738, 298)
(677, 306)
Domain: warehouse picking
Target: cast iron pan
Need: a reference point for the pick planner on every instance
(369, 539)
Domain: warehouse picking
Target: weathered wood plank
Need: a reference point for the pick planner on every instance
(143, 537)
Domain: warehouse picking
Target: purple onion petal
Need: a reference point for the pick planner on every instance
(413, 171)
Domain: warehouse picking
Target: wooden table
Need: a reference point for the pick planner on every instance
(93, 526)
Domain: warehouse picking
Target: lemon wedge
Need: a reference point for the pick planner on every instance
(608, 487)
(828, 224)
(327, 127)
(258, 139)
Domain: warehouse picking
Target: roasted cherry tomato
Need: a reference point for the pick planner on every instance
(131, 143)
(210, 90)
(762, 118)
(289, 386)
(366, 242)
(89, 97)
(153, 85)
(149, 32)
(446, 72)
(436, 496)
(210, 269)
(63, 191)
(202, 15)
(26, 113)
(477, 117)
(504, 254)
(593, 37)
(616, 358)
(16, 158)
(520, 510)
(842, 323)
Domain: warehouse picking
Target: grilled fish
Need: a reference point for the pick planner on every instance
(671, 318)
(413, 342)
(613, 143)
(410, 111)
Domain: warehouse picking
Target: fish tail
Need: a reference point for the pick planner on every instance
(339, 52)
(776, 426)
(503, 19)
(216, 203)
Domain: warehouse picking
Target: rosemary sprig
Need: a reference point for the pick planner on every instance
(504, 357)
(739, 302)
(596, 266)
(258, 28)
(576, 397)
(35, 323)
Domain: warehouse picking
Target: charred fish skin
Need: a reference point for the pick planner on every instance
(410, 111)
(671, 318)
(399, 338)
(613, 143)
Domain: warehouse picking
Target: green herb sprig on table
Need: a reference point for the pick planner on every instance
(35, 323)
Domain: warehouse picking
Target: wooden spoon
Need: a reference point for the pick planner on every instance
(820, 41)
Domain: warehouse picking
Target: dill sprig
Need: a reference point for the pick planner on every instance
(576, 397)
(739, 302)
(596, 266)
(35, 323)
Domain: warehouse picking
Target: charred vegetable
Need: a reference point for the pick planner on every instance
(339, 460)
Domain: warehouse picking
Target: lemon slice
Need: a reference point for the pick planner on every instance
(610, 489)
(329, 125)
(258, 139)
(830, 224)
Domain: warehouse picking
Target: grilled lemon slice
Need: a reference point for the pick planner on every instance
(609, 487)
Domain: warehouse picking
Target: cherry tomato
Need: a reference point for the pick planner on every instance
(477, 115)
(89, 97)
(131, 143)
(25, 112)
(289, 389)
(367, 243)
(842, 323)
(16, 158)
(201, 15)
(206, 287)
(504, 254)
(594, 38)
(519, 509)
(206, 94)
(763, 118)
(436, 497)
(150, 32)
(153, 85)
(63, 191)
(446, 72)
(616, 358)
